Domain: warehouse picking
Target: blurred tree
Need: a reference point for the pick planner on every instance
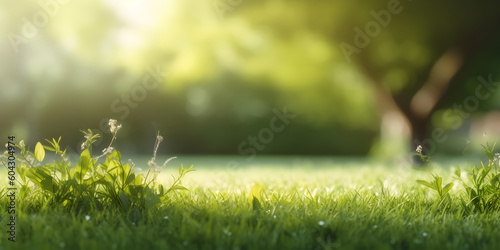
(331, 62)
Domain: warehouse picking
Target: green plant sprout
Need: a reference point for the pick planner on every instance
(91, 184)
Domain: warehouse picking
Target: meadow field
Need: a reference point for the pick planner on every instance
(306, 203)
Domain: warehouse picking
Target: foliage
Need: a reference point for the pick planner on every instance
(437, 186)
(91, 184)
(254, 197)
(482, 189)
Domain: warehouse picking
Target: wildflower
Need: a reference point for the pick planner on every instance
(151, 163)
(107, 150)
(30, 159)
(166, 217)
(419, 149)
(82, 146)
(87, 218)
(321, 223)
(21, 143)
(113, 127)
(424, 234)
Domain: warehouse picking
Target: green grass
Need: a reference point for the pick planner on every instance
(308, 203)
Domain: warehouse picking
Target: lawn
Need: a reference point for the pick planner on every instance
(307, 203)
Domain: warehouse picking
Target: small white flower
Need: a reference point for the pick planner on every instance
(166, 217)
(30, 159)
(375, 227)
(113, 127)
(321, 223)
(419, 149)
(107, 150)
(424, 234)
(21, 143)
(87, 218)
(83, 146)
(274, 217)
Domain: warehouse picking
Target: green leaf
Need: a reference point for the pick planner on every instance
(138, 180)
(39, 152)
(124, 200)
(256, 204)
(178, 187)
(83, 164)
(161, 190)
(130, 179)
(254, 197)
(425, 183)
(447, 188)
(439, 184)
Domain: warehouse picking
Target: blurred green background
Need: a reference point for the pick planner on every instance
(362, 77)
